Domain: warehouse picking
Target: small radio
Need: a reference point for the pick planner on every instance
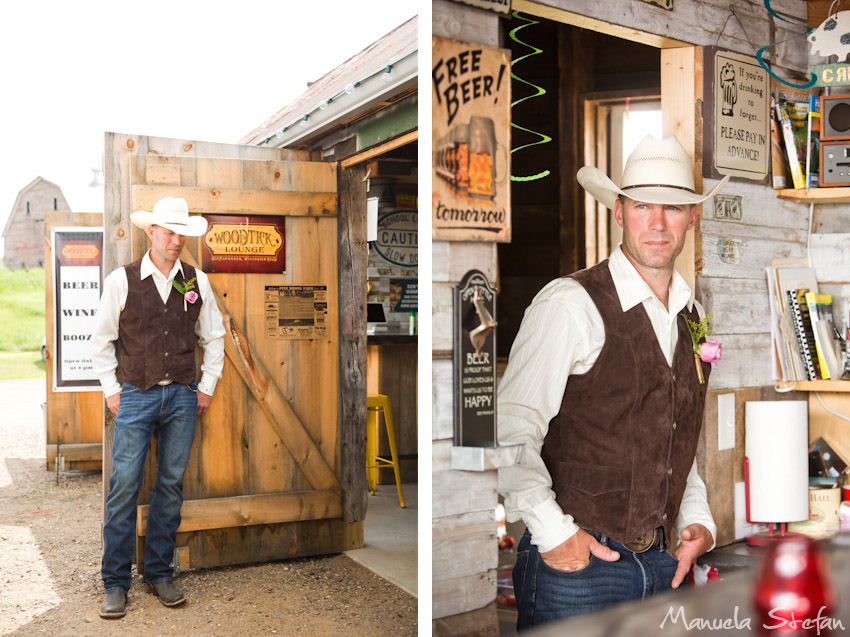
(834, 163)
(835, 117)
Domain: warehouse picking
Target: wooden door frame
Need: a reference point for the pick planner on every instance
(681, 91)
(596, 108)
(351, 189)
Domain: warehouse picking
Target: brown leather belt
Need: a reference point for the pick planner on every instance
(645, 542)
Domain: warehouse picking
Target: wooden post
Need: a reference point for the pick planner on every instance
(352, 338)
(681, 90)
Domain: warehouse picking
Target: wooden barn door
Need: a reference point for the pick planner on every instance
(263, 475)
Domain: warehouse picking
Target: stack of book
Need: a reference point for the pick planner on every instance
(806, 344)
(795, 142)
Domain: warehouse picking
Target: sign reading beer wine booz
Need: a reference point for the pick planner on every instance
(77, 275)
(244, 243)
(471, 105)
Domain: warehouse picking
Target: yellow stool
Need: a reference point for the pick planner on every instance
(374, 404)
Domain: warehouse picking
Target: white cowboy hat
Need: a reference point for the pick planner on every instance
(171, 213)
(655, 172)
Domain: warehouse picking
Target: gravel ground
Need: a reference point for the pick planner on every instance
(50, 565)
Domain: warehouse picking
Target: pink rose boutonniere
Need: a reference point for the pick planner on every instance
(187, 290)
(708, 351)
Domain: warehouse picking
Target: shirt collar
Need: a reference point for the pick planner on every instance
(632, 289)
(148, 268)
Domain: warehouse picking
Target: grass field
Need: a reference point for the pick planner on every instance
(21, 309)
(21, 322)
(21, 365)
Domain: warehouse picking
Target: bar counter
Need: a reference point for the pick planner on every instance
(722, 607)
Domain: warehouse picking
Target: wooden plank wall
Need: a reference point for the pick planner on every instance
(236, 451)
(698, 23)
(72, 418)
(462, 503)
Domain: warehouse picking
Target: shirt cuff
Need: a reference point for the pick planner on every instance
(207, 384)
(110, 385)
(549, 525)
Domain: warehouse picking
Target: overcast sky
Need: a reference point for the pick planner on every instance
(209, 70)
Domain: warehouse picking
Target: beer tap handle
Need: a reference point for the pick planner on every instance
(478, 336)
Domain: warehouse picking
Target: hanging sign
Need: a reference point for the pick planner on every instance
(470, 98)
(244, 243)
(77, 277)
(737, 132)
(474, 362)
(831, 74)
(397, 239)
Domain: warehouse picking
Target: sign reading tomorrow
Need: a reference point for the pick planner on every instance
(77, 275)
(471, 106)
(739, 127)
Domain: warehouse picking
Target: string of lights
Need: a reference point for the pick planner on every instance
(540, 91)
(303, 120)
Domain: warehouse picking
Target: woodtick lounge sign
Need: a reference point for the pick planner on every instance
(240, 243)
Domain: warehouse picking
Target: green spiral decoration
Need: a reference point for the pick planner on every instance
(539, 91)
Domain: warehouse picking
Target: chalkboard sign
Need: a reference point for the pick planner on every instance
(474, 362)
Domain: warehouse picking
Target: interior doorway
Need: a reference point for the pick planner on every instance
(566, 93)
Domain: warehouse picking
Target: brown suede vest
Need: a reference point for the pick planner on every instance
(620, 449)
(156, 341)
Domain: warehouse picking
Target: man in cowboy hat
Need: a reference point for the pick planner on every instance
(602, 388)
(152, 312)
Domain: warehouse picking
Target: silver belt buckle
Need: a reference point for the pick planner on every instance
(643, 543)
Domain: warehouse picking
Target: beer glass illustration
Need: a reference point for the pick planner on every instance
(482, 158)
(461, 146)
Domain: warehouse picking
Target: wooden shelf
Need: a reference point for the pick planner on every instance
(818, 385)
(815, 195)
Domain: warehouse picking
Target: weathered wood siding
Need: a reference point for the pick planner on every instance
(464, 556)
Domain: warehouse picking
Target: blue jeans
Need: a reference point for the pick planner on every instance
(544, 594)
(168, 413)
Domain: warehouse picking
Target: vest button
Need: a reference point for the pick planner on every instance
(167, 374)
(165, 309)
(664, 517)
(674, 378)
(674, 422)
(166, 331)
(669, 471)
(166, 353)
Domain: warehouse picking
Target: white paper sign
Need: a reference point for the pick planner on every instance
(77, 274)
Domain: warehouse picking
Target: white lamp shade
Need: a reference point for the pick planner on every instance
(777, 450)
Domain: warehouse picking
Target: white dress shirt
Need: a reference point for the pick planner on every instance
(562, 334)
(209, 328)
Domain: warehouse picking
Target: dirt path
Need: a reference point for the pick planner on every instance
(50, 564)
